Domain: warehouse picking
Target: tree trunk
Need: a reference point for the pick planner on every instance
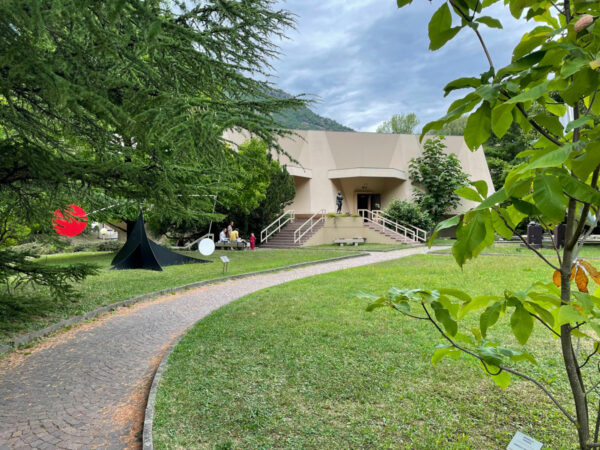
(569, 357)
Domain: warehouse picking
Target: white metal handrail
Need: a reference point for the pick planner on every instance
(300, 233)
(419, 232)
(413, 233)
(277, 224)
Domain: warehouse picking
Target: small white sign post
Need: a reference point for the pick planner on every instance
(521, 441)
(225, 260)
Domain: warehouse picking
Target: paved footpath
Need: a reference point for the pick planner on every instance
(87, 387)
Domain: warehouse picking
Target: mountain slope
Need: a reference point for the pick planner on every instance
(305, 119)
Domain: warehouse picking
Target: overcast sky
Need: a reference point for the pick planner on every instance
(365, 60)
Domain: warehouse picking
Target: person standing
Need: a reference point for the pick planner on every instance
(252, 241)
(230, 229)
(338, 200)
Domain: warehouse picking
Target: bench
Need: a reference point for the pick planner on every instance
(348, 241)
(232, 245)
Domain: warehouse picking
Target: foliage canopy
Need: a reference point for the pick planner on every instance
(556, 66)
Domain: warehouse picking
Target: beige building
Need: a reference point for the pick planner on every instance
(369, 169)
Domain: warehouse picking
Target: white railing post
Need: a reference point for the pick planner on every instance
(277, 225)
(300, 233)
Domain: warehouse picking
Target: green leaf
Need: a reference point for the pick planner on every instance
(528, 209)
(584, 83)
(500, 227)
(468, 193)
(502, 379)
(583, 165)
(579, 190)
(573, 65)
(596, 327)
(532, 94)
(448, 223)
(550, 122)
(490, 355)
(490, 316)
(531, 40)
(443, 316)
(549, 198)
(461, 83)
(502, 118)
(578, 123)
(521, 323)
(481, 186)
(473, 234)
(540, 311)
(479, 302)
(568, 314)
(558, 109)
(440, 30)
(553, 158)
(455, 293)
(489, 21)
(446, 350)
(496, 198)
(479, 126)
(402, 3)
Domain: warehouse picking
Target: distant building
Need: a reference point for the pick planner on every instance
(370, 169)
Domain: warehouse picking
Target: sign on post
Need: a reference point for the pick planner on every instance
(225, 260)
(521, 441)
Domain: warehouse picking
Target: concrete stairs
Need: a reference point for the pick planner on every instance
(285, 237)
(389, 233)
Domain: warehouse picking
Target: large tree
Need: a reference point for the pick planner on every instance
(556, 65)
(399, 123)
(126, 101)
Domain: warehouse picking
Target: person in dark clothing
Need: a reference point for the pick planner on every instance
(338, 201)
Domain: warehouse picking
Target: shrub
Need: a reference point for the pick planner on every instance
(109, 246)
(408, 213)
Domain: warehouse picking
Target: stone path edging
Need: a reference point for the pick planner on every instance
(38, 334)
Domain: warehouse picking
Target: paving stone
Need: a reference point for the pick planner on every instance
(71, 395)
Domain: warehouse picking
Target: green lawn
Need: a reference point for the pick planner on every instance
(110, 286)
(517, 249)
(302, 365)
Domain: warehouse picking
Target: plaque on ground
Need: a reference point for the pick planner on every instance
(521, 441)
(225, 259)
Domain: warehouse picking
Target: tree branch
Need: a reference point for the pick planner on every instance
(525, 242)
(502, 368)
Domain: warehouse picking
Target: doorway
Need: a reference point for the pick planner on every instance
(368, 201)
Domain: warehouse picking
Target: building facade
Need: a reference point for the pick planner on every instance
(369, 169)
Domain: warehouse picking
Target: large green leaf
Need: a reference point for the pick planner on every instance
(479, 126)
(549, 198)
(468, 193)
(490, 316)
(580, 190)
(461, 83)
(479, 302)
(443, 316)
(489, 21)
(402, 3)
(569, 314)
(481, 186)
(531, 94)
(499, 226)
(583, 165)
(448, 223)
(521, 323)
(578, 123)
(502, 379)
(553, 158)
(502, 118)
(584, 83)
(496, 198)
(473, 234)
(440, 28)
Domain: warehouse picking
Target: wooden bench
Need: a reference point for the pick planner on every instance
(348, 241)
(232, 245)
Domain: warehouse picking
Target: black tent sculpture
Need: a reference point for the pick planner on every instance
(139, 252)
